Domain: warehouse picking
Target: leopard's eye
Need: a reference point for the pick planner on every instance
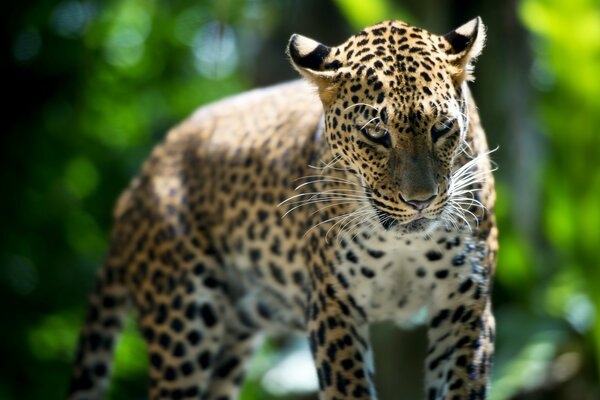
(376, 133)
(442, 127)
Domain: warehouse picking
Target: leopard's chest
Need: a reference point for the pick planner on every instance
(391, 278)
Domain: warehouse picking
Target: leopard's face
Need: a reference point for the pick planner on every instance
(400, 138)
(395, 113)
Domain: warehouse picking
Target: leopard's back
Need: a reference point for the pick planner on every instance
(215, 184)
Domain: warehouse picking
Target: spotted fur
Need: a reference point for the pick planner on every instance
(274, 212)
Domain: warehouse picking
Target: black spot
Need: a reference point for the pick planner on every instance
(341, 384)
(467, 316)
(359, 392)
(277, 274)
(177, 325)
(194, 337)
(461, 361)
(320, 378)
(463, 342)
(421, 272)
(262, 215)
(375, 253)
(369, 273)
(263, 310)
(433, 255)
(458, 260)
(441, 274)
(350, 256)
(190, 311)
(170, 374)
(148, 334)
(330, 291)
(344, 308)
(331, 351)
(276, 246)
(298, 278)
(458, 313)
(225, 369)
(439, 318)
(164, 340)
(347, 363)
(211, 282)
(176, 304)
(466, 285)
(186, 368)
(177, 394)
(208, 315)
(335, 64)
(255, 255)
(326, 373)
(431, 394)
(179, 350)
(331, 322)
(403, 301)
(321, 333)
(457, 384)
(291, 255)
(342, 280)
(156, 360)
(204, 360)
(161, 315)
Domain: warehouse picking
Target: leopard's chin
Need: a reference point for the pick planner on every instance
(391, 223)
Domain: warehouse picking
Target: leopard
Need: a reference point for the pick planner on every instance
(362, 192)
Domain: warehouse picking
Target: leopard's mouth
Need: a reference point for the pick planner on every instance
(389, 220)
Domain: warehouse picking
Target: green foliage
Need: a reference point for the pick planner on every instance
(364, 13)
(567, 61)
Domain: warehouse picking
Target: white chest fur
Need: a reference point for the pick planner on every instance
(392, 278)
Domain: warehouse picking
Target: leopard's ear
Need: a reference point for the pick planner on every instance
(315, 63)
(465, 45)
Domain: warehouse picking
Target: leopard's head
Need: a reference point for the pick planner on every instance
(395, 105)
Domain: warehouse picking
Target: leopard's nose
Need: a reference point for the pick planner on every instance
(419, 204)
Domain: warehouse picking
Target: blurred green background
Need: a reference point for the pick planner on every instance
(91, 85)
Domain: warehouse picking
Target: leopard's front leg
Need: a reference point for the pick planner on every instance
(339, 343)
(461, 333)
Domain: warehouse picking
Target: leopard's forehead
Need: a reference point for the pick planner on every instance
(395, 62)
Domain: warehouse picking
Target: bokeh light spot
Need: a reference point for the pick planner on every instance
(215, 50)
